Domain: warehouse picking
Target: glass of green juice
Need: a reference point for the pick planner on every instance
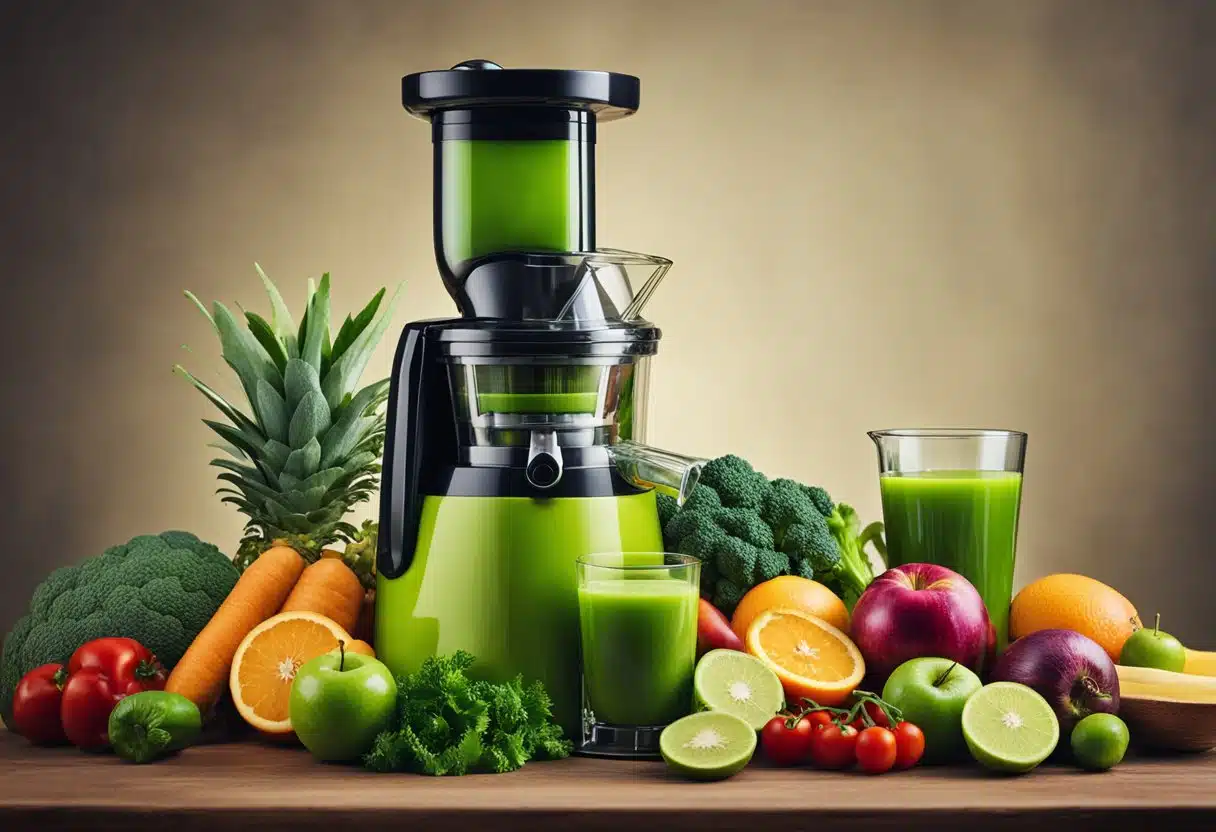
(951, 496)
(638, 622)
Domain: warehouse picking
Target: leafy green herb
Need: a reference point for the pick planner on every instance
(446, 723)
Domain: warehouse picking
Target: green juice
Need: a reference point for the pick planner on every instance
(639, 648)
(511, 196)
(964, 520)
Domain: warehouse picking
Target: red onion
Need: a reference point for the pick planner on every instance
(1069, 670)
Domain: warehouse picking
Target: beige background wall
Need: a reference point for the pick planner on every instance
(881, 214)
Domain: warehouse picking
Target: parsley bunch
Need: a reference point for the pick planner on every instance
(446, 723)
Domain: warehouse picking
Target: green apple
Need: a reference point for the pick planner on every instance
(931, 693)
(1153, 648)
(340, 702)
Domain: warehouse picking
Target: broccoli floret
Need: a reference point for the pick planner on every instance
(667, 507)
(737, 484)
(745, 524)
(736, 560)
(770, 564)
(811, 540)
(746, 530)
(157, 589)
(727, 594)
(786, 504)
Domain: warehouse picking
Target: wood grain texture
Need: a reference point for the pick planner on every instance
(248, 784)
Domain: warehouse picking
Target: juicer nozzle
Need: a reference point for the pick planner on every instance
(544, 469)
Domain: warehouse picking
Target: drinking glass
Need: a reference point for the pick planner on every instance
(952, 496)
(638, 621)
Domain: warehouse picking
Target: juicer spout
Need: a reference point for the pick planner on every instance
(649, 467)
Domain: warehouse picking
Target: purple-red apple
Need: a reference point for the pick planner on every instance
(713, 630)
(917, 610)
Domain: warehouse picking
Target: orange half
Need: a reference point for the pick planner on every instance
(267, 660)
(810, 656)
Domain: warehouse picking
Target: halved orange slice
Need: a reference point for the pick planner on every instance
(810, 656)
(267, 660)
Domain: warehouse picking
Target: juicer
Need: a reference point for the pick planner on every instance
(515, 431)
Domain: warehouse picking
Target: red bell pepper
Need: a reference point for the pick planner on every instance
(102, 672)
(36, 702)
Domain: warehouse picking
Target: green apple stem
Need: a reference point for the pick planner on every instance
(1157, 625)
(341, 655)
(941, 680)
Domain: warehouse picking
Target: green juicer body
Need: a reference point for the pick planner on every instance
(497, 475)
(496, 576)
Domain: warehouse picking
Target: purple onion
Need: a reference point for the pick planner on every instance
(1071, 671)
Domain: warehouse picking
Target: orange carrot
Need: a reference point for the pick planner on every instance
(202, 674)
(328, 587)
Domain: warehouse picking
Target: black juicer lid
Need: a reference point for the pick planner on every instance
(480, 83)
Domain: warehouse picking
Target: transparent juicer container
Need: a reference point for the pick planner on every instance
(569, 367)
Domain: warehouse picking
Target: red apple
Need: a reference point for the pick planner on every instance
(920, 609)
(713, 630)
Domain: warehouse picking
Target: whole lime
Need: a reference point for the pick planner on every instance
(1099, 742)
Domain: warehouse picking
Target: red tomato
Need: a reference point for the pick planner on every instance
(876, 713)
(130, 666)
(876, 750)
(909, 745)
(834, 746)
(36, 705)
(101, 673)
(784, 744)
(818, 719)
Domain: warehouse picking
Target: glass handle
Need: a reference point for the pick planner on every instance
(648, 467)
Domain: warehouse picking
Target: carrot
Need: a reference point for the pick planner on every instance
(328, 587)
(202, 674)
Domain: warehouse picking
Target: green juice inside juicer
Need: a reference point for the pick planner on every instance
(515, 433)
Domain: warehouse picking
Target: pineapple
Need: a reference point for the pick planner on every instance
(307, 448)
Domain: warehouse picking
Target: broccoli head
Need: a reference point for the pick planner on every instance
(735, 482)
(160, 590)
(746, 530)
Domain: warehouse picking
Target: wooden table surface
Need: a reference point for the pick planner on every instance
(254, 785)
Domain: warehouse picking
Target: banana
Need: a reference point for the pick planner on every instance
(1200, 663)
(1150, 683)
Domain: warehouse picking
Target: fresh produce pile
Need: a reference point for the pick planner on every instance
(160, 590)
(803, 652)
(922, 632)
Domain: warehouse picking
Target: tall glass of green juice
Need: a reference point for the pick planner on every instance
(952, 497)
(638, 622)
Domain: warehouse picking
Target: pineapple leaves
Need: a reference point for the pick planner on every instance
(300, 379)
(272, 411)
(234, 436)
(310, 421)
(239, 419)
(351, 329)
(346, 369)
(315, 333)
(275, 454)
(352, 426)
(281, 322)
(302, 462)
(198, 303)
(269, 341)
(243, 352)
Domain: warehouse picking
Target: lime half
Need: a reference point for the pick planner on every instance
(1009, 727)
(709, 745)
(737, 683)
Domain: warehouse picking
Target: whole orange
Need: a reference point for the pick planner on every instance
(1074, 602)
(789, 592)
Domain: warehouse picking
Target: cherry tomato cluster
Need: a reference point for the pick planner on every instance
(55, 704)
(871, 735)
